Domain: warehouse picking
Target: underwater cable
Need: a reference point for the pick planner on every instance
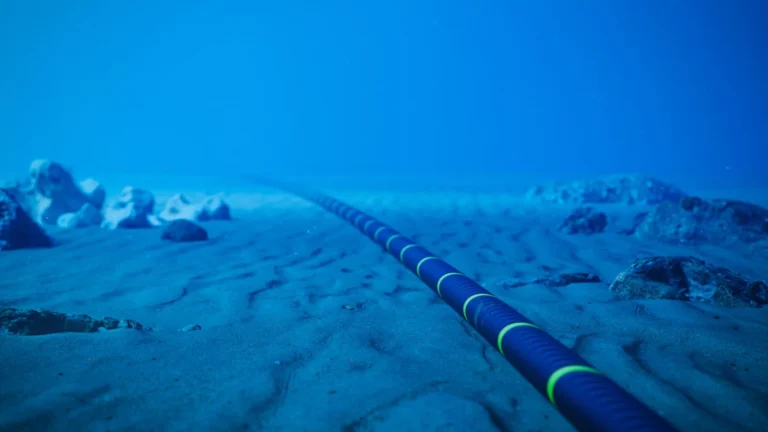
(588, 399)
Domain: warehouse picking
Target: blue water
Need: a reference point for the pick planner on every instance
(557, 89)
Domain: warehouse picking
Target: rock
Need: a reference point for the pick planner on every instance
(51, 192)
(182, 230)
(619, 189)
(688, 279)
(179, 207)
(88, 215)
(214, 208)
(584, 221)
(17, 229)
(42, 322)
(694, 220)
(133, 209)
(94, 192)
(192, 327)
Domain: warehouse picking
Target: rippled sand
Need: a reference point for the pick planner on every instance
(307, 325)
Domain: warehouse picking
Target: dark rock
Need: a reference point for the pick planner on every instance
(584, 221)
(182, 230)
(192, 327)
(689, 279)
(693, 220)
(17, 229)
(42, 322)
(619, 189)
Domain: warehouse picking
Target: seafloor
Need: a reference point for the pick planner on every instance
(309, 326)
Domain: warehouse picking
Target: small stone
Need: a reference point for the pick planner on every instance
(192, 327)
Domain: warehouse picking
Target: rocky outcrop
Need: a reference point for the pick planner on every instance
(689, 279)
(41, 322)
(182, 230)
(133, 209)
(17, 229)
(694, 220)
(584, 220)
(211, 208)
(620, 189)
(51, 192)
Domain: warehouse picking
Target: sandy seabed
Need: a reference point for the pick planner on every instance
(309, 326)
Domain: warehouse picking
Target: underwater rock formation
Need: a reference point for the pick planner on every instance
(133, 209)
(694, 220)
(179, 207)
(182, 230)
(41, 322)
(51, 192)
(17, 229)
(690, 279)
(584, 220)
(619, 189)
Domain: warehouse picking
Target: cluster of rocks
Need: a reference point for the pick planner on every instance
(30, 322)
(50, 196)
(673, 217)
(618, 189)
(688, 278)
(694, 220)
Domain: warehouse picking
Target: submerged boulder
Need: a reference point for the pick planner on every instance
(689, 279)
(211, 208)
(619, 189)
(182, 230)
(42, 322)
(132, 209)
(51, 191)
(584, 220)
(694, 220)
(17, 229)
